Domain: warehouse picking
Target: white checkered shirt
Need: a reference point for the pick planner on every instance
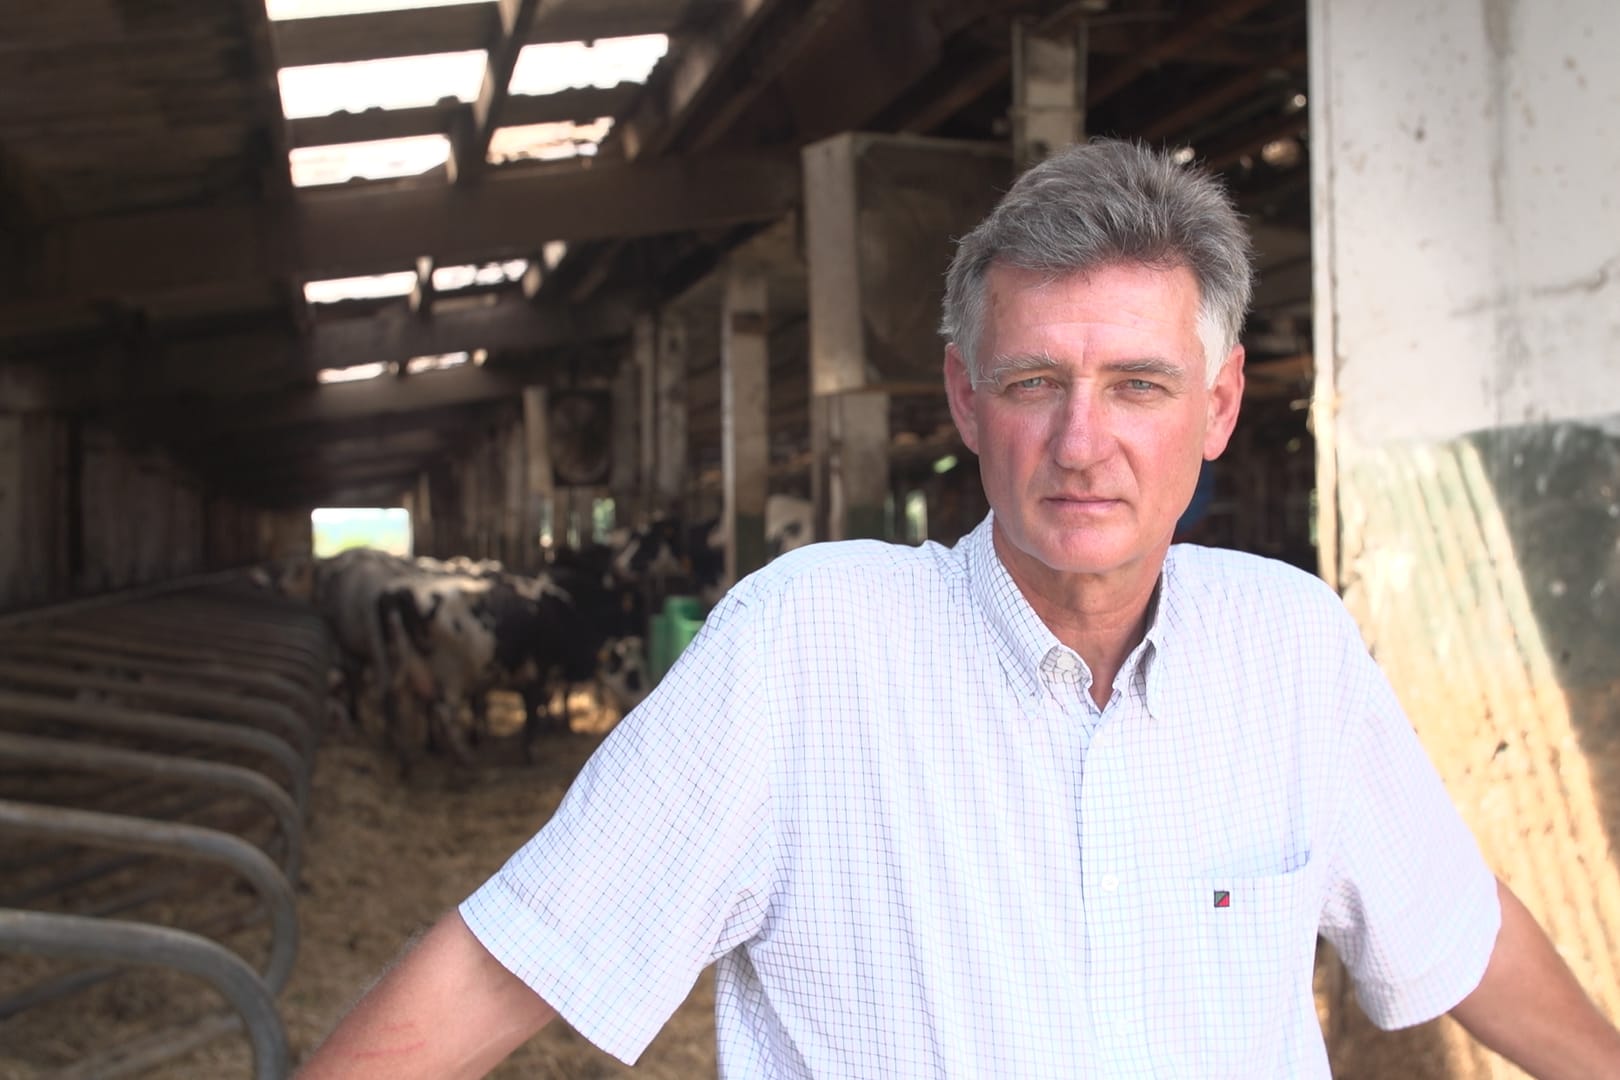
(876, 793)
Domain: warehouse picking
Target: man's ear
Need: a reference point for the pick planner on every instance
(1225, 397)
(959, 391)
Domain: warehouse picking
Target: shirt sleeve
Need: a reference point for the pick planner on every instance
(1412, 906)
(660, 858)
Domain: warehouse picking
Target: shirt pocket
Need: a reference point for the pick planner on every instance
(1237, 974)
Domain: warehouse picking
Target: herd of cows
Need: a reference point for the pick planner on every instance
(424, 641)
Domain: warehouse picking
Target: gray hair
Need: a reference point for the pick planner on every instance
(1108, 203)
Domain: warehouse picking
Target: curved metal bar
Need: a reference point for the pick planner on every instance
(194, 655)
(81, 938)
(216, 625)
(247, 682)
(152, 590)
(105, 717)
(200, 638)
(198, 702)
(182, 841)
(65, 754)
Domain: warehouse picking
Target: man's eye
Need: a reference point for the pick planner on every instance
(1140, 385)
(1034, 382)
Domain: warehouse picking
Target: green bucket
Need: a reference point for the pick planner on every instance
(671, 631)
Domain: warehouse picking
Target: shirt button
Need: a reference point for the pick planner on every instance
(1110, 883)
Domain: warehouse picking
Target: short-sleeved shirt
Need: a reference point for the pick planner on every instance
(876, 793)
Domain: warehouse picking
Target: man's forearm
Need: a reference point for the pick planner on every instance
(447, 1010)
(1529, 1008)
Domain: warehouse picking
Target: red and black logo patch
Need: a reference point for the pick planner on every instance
(1223, 898)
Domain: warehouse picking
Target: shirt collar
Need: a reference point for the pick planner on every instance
(1023, 642)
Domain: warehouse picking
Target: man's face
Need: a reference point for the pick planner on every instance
(1093, 415)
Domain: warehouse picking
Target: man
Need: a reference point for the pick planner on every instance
(1059, 801)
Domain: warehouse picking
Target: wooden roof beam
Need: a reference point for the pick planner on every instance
(381, 35)
(378, 227)
(579, 105)
(687, 79)
(1172, 45)
(469, 138)
(1205, 103)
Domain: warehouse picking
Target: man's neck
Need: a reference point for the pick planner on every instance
(1102, 617)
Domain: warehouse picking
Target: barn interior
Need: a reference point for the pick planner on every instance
(181, 241)
(529, 269)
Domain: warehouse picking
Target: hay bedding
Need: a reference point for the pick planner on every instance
(383, 860)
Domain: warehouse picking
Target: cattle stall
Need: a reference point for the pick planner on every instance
(156, 754)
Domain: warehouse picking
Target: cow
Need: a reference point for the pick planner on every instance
(534, 635)
(666, 557)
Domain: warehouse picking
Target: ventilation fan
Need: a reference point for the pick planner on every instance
(581, 427)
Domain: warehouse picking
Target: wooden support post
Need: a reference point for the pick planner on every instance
(744, 417)
(670, 473)
(622, 479)
(422, 540)
(644, 336)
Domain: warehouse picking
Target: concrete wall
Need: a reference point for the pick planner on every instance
(82, 513)
(1467, 249)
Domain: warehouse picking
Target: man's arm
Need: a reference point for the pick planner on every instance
(448, 1009)
(1529, 1008)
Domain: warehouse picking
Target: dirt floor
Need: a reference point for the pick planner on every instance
(384, 858)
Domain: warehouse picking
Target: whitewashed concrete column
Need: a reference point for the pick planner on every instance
(644, 343)
(1049, 90)
(744, 416)
(671, 468)
(1467, 278)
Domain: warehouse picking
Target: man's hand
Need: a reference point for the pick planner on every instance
(448, 1009)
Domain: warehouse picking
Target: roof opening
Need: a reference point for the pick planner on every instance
(547, 142)
(399, 82)
(380, 159)
(356, 373)
(418, 364)
(547, 69)
(373, 287)
(312, 9)
(451, 278)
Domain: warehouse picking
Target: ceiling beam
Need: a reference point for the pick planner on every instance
(687, 80)
(348, 402)
(338, 39)
(372, 228)
(469, 139)
(396, 333)
(1190, 33)
(1196, 106)
(579, 105)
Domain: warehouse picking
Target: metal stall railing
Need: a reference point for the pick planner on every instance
(149, 743)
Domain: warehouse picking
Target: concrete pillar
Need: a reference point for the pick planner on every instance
(622, 477)
(1467, 416)
(12, 522)
(539, 495)
(1049, 90)
(422, 539)
(670, 471)
(744, 417)
(880, 215)
(644, 343)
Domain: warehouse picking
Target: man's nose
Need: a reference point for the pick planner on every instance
(1082, 436)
